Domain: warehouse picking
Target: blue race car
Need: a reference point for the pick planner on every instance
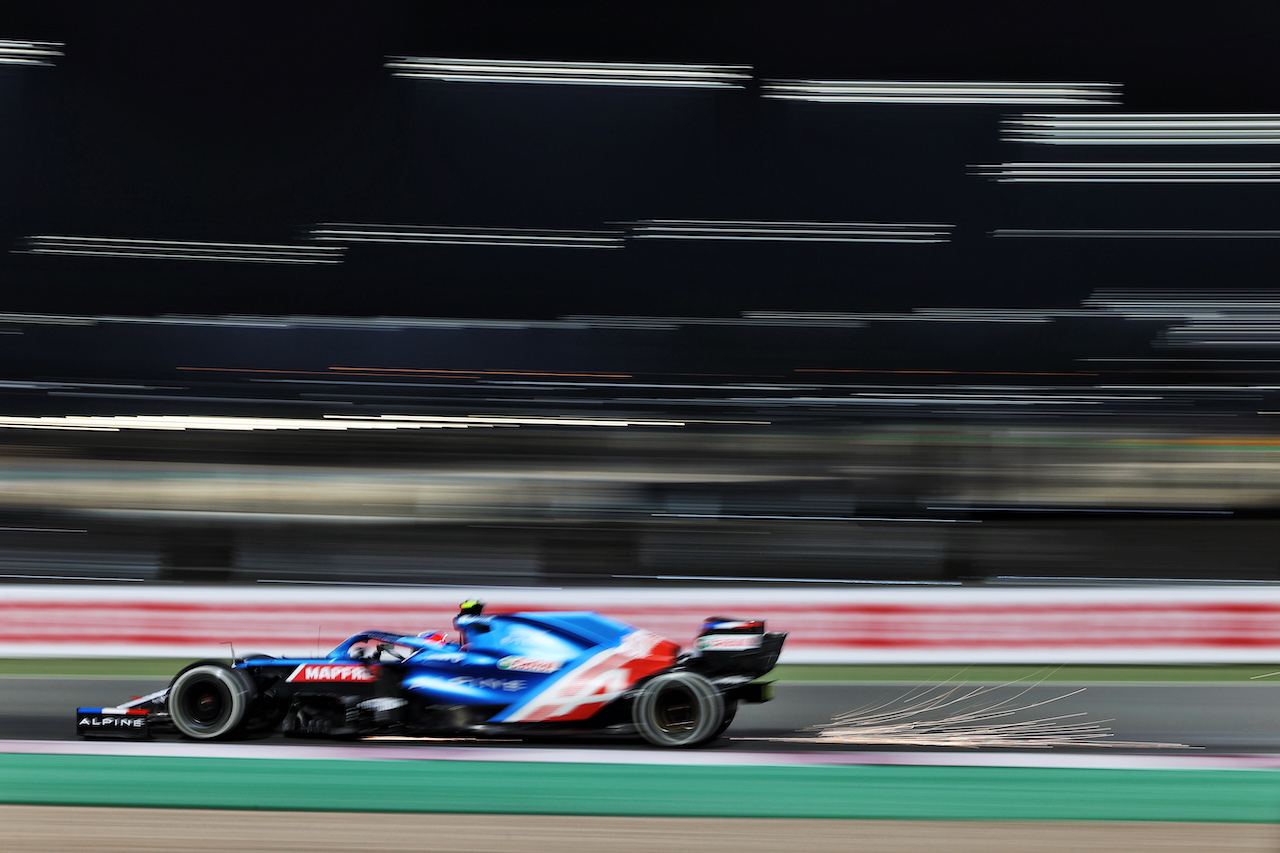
(510, 675)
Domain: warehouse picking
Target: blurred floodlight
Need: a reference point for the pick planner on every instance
(1139, 233)
(334, 423)
(347, 232)
(940, 92)
(16, 52)
(181, 250)
(933, 315)
(1133, 173)
(1145, 129)
(570, 73)
(1153, 304)
(1225, 318)
(815, 232)
(288, 321)
(761, 318)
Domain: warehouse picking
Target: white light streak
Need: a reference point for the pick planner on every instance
(1090, 510)
(940, 92)
(73, 578)
(671, 323)
(740, 579)
(1189, 304)
(651, 74)
(746, 517)
(14, 52)
(43, 530)
(925, 315)
(445, 234)
(1145, 129)
(1224, 318)
(331, 423)
(1132, 173)
(181, 250)
(818, 232)
(1138, 233)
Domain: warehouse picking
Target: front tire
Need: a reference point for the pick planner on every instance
(679, 709)
(209, 700)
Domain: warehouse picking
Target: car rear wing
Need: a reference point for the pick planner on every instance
(735, 647)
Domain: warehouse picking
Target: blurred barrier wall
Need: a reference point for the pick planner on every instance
(878, 625)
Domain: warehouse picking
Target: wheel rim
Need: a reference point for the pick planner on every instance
(204, 703)
(207, 702)
(676, 710)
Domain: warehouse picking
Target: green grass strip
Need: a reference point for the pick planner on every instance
(903, 793)
(914, 673)
(72, 667)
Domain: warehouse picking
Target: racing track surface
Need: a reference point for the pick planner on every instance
(1216, 718)
(1213, 718)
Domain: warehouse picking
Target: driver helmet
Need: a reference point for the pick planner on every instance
(468, 612)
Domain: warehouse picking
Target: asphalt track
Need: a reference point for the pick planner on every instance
(1189, 722)
(1222, 718)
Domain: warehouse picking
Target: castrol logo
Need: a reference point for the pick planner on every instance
(516, 663)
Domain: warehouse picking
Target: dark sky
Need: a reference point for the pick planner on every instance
(217, 121)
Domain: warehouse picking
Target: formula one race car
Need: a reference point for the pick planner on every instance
(512, 675)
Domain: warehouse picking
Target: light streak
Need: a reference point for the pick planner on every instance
(74, 578)
(43, 529)
(732, 579)
(348, 232)
(1078, 509)
(1144, 129)
(1138, 233)
(819, 232)
(648, 74)
(732, 517)
(15, 52)
(331, 423)
(940, 92)
(927, 315)
(181, 250)
(1190, 304)
(292, 582)
(1130, 173)
(1086, 580)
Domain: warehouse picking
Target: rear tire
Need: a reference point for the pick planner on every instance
(209, 700)
(730, 711)
(679, 709)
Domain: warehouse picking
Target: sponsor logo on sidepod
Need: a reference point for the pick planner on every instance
(331, 672)
(522, 664)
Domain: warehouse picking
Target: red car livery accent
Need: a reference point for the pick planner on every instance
(308, 672)
(599, 680)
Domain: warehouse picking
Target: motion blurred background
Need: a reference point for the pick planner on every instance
(749, 293)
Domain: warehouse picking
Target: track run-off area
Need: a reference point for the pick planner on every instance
(1175, 766)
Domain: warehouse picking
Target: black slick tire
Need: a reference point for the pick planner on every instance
(210, 700)
(678, 709)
